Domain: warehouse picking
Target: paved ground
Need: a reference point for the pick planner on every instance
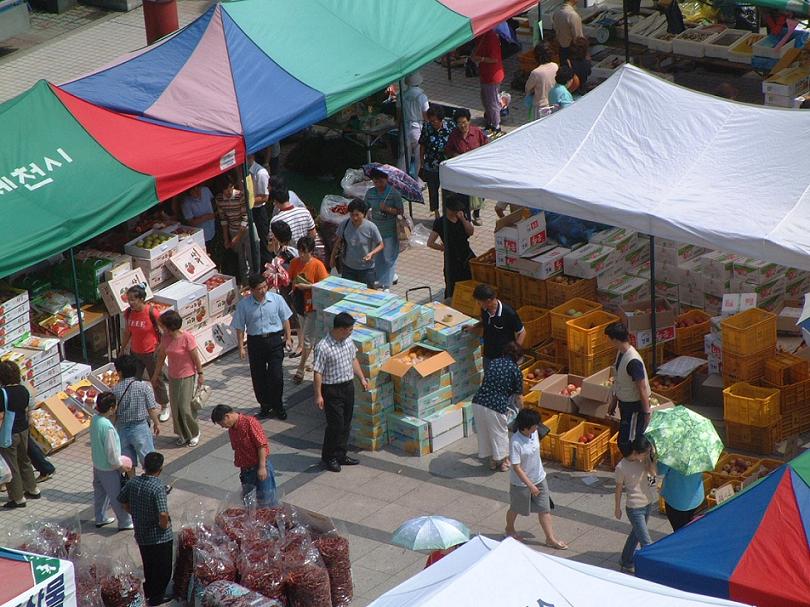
(367, 502)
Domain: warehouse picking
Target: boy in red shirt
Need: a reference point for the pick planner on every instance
(305, 271)
(142, 336)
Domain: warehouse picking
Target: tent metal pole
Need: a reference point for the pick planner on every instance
(626, 37)
(539, 24)
(78, 305)
(449, 58)
(403, 141)
(255, 255)
(653, 323)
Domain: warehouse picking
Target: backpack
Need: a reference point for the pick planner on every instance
(152, 317)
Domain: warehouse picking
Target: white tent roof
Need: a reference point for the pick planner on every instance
(641, 153)
(485, 573)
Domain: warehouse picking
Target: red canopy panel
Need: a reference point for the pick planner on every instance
(176, 158)
(486, 14)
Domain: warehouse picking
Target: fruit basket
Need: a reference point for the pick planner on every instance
(752, 438)
(586, 333)
(483, 268)
(584, 446)
(508, 283)
(537, 323)
(748, 332)
(559, 425)
(676, 389)
(732, 467)
(568, 310)
(690, 329)
(562, 288)
(540, 370)
(751, 405)
(533, 291)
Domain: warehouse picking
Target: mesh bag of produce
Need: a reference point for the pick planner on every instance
(334, 551)
(120, 586)
(307, 578)
(213, 562)
(191, 530)
(231, 594)
(261, 570)
(88, 587)
(57, 540)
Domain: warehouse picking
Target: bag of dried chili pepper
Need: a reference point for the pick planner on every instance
(334, 551)
(307, 578)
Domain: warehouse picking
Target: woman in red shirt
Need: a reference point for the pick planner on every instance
(180, 348)
(465, 137)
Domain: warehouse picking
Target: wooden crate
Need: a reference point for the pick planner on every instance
(680, 394)
(585, 456)
(586, 334)
(584, 365)
(483, 268)
(559, 315)
(537, 323)
(533, 291)
(508, 283)
(689, 340)
(559, 292)
(563, 423)
(463, 299)
(748, 332)
(751, 405)
(753, 438)
(783, 369)
(751, 367)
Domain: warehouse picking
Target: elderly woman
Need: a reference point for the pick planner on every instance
(503, 382)
(465, 138)
(435, 133)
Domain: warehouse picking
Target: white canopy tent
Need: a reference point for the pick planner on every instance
(484, 572)
(641, 153)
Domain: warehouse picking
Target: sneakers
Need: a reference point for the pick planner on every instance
(129, 527)
(44, 477)
(13, 505)
(194, 441)
(165, 414)
(628, 569)
(105, 522)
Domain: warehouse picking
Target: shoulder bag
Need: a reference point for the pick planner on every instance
(6, 430)
(201, 396)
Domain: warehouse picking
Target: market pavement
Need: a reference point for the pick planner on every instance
(368, 501)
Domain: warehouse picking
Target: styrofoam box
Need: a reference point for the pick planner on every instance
(761, 48)
(13, 324)
(183, 296)
(45, 375)
(223, 298)
(789, 82)
(691, 48)
(188, 234)
(446, 438)
(721, 51)
(12, 313)
(48, 388)
(73, 372)
(157, 251)
(95, 377)
(740, 57)
(10, 338)
(782, 101)
(660, 44)
(605, 68)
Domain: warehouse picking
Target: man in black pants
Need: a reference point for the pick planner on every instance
(144, 497)
(335, 366)
(261, 195)
(265, 317)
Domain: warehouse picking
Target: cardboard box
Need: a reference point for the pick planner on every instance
(370, 298)
(417, 374)
(114, 292)
(158, 278)
(672, 252)
(187, 298)
(188, 235)
(367, 339)
(719, 264)
(757, 272)
(11, 298)
(409, 434)
(445, 419)
(787, 319)
(445, 439)
(543, 265)
(393, 317)
(516, 233)
(131, 247)
(625, 290)
(789, 82)
(190, 262)
(216, 339)
(46, 387)
(638, 319)
(357, 311)
(550, 388)
(402, 342)
(618, 238)
(73, 372)
(376, 356)
(11, 313)
(223, 294)
(332, 289)
(13, 324)
(506, 259)
(425, 404)
(589, 261)
(797, 288)
(598, 387)
(14, 337)
(49, 432)
(597, 409)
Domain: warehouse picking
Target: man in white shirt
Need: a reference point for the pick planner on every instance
(567, 26)
(261, 192)
(298, 218)
(414, 107)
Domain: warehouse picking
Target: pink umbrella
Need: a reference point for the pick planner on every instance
(126, 462)
(399, 180)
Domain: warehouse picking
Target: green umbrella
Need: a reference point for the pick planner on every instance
(685, 441)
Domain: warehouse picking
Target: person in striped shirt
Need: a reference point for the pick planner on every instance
(232, 214)
(298, 218)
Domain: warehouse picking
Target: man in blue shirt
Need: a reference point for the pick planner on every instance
(265, 317)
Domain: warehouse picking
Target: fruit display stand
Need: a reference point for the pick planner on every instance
(559, 425)
(560, 289)
(483, 268)
(584, 446)
(537, 323)
(676, 389)
(570, 309)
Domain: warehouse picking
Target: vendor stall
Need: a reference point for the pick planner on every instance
(30, 579)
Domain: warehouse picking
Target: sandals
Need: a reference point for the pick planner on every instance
(557, 545)
(504, 466)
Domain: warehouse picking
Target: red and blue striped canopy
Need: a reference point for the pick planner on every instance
(752, 548)
(265, 69)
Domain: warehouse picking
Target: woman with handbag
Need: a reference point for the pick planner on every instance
(305, 271)
(385, 204)
(185, 376)
(105, 449)
(498, 398)
(14, 419)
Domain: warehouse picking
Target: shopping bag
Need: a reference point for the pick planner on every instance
(5, 472)
(6, 434)
(201, 396)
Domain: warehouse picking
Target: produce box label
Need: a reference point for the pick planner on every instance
(367, 339)
(190, 263)
(114, 292)
(216, 339)
(590, 261)
(516, 233)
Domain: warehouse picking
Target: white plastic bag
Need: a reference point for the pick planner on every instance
(5, 472)
(355, 184)
(331, 207)
(419, 235)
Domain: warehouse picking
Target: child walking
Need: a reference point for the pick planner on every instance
(528, 489)
(635, 475)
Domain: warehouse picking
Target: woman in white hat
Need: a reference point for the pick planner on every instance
(414, 106)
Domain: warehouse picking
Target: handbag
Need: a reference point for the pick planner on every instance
(6, 430)
(201, 396)
(404, 228)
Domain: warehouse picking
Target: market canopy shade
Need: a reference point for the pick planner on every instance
(486, 572)
(70, 170)
(266, 69)
(641, 153)
(752, 548)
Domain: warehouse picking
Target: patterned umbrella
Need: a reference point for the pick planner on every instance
(399, 180)
(685, 441)
(430, 533)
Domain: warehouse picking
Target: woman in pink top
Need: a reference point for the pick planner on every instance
(180, 348)
(542, 78)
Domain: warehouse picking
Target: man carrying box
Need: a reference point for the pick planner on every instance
(499, 325)
(631, 388)
(334, 367)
